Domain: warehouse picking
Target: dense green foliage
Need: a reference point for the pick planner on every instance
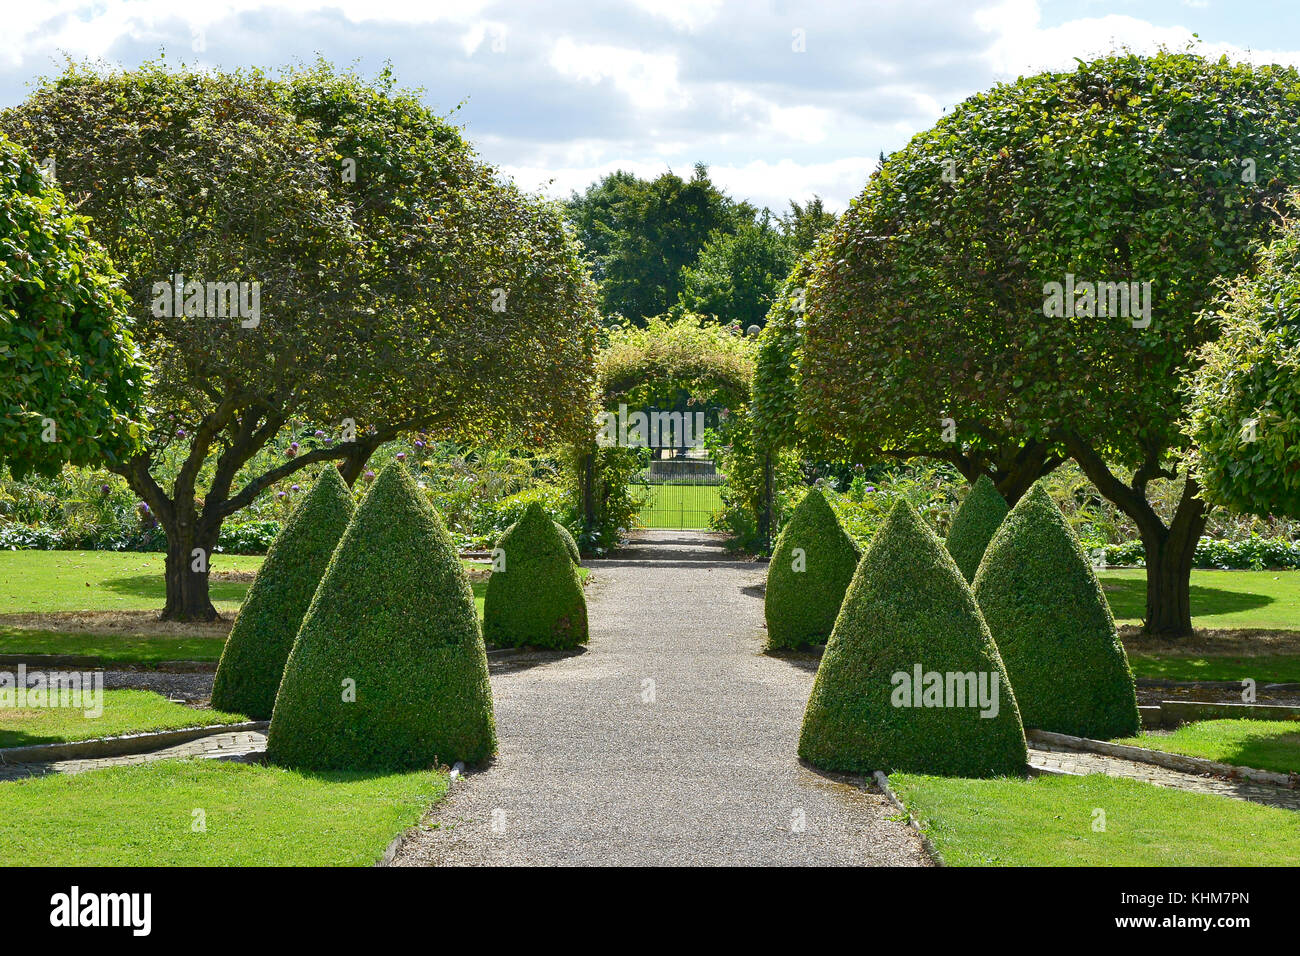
(392, 625)
(1244, 406)
(737, 275)
(1046, 611)
(1248, 554)
(909, 608)
(805, 589)
(928, 299)
(650, 366)
(639, 234)
(973, 526)
(72, 379)
(534, 598)
(932, 324)
(566, 536)
(402, 286)
(252, 663)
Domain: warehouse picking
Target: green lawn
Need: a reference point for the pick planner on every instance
(34, 582)
(116, 648)
(683, 507)
(1263, 669)
(42, 581)
(1260, 744)
(1220, 599)
(123, 712)
(1048, 821)
(252, 815)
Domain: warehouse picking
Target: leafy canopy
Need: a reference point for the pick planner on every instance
(1244, 401)
(69, 359)
(927, 300)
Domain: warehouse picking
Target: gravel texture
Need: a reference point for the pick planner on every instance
(593, 770)
(188, 687)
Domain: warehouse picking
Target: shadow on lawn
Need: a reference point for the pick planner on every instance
(153, 586)
(1128, 599)
(1278, 751)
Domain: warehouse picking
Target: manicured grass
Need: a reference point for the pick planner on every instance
(41, 581)
(123, 712)
(1264, 669)
(1048, 821)
(1220, 599)
(252, 815)
(1260, 744)
(112, 648)
(683, 507)
(36, 582)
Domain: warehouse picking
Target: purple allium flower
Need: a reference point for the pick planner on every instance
(279, 494)
(401, 456)
(319, 433)
(180, 433)
(294, 488)
(370, 476)
(105, 489)
(871, 487)
(142, 508)
(293, 445)
(419, 444)
(328, 440)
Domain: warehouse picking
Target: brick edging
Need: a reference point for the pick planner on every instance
(1160, 758)
(122, 746)
(882, 781)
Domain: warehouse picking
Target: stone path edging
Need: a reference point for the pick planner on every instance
(1160, 758)
(121, 746)
(882, 781)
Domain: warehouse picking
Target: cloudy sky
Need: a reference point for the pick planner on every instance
(782, 99)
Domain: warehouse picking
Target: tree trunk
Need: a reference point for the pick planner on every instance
(1170, 550)
(353, 464)
(189, 553)
(1170, 555)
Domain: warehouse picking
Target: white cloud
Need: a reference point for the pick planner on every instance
(763, 183)
(648, 80)
(683, 14)
(1021, 46)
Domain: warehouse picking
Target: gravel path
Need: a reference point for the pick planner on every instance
(671, 740)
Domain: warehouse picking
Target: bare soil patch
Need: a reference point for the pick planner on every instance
(1208, 642)
(141, 623)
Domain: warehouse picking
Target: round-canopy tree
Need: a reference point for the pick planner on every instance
(72, 379)
(1022, 281)
(314, 248)
(1244, 407)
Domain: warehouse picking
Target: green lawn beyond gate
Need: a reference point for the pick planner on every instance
(678, 506)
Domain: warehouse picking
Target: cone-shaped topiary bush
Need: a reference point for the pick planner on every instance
(569, 544)
(534, 596)
(262, 636)
(911, 679)
(566, 536)
(388, 670)
(974, 524)
(1053, 625)
(811, 567)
